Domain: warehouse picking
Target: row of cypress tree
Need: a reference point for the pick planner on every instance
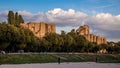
(15, 19)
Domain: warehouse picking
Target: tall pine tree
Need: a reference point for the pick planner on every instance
(16, 19)
(21, 20)
(11, 18)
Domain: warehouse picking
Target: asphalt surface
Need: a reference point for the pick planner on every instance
(63, 65)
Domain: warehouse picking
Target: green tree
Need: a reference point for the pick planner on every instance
(34, 45)
(116, 49)
(16, 19)
(21, 20)
(15, 37)
(80, 43)
(68, 41)
(96, 48)
(44, 45)
(4, 45)
(55, 41)
(11, 18)
(21, 46)
(63, 33)
(89, 47)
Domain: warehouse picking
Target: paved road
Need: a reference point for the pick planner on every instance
(64, 65)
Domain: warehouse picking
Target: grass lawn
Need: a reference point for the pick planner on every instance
(50, 58)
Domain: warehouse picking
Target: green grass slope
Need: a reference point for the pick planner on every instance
(50, 58)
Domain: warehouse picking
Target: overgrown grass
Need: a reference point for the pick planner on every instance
(50, 58)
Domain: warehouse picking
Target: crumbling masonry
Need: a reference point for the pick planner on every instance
(84, 30)
(40, 29)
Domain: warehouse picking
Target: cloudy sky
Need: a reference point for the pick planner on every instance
(103, 16)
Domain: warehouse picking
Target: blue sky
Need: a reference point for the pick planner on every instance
(103, 16)
(107, 6)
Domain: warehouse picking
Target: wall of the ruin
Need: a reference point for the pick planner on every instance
(84, 30)
(40, 29)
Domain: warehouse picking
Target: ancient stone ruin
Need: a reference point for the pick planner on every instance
(40, 29)
(84, 30)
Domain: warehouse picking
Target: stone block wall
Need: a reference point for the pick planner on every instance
(40, 29)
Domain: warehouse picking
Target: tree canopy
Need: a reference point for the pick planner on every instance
(13, 38)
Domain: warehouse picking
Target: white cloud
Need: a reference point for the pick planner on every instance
(104, 24)
(106, 21)
(25, 13)
(3, 16)
(66, 18)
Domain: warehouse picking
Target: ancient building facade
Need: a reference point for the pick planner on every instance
(40, 29)
(84, 30)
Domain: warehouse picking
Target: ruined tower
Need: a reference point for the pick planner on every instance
(84, 30)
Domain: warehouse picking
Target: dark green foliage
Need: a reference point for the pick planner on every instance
(11, 18)
(15, 19)
(67, 43)
(4, 45)
(54, 41)
(13, 37)
(21, 20)
(79, 42)
(113, 49)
